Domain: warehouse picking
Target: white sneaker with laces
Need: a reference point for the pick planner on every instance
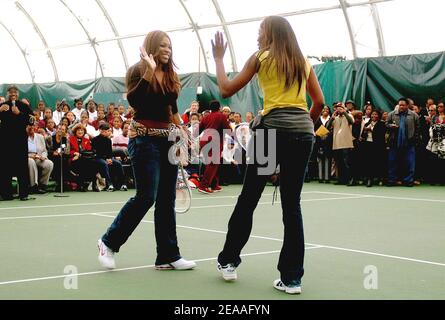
(110, 188)
(124, 188)
(180, 264)
(228, 272)
(106, 255)
(292, 289)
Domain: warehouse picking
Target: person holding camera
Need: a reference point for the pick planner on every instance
(341, 122)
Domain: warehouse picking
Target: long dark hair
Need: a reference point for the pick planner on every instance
(284, 51)
(152, 43)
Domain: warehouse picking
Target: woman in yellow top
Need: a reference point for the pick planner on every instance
(284, 76)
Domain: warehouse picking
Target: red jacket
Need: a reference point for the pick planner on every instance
(74, 146)
(215, 120)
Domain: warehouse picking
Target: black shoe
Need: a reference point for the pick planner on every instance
(7, 198)
(369, 183)
(27, 198)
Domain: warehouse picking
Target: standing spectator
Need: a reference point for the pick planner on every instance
(341, 122)
(350, 106)
(102, 146)
(216, 120)
(226, 111)
(323, 147)
(367, 110)
(91, 106)
(40, 167)
(355, 157)
(78, 107)
(373, 148)
(249, 116)
(422, 156)
(194, 108)
(14, 117)
(404, 128)
(58, 146)
(65, 108)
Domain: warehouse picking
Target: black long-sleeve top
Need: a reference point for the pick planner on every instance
(150, 103)
(103, 147)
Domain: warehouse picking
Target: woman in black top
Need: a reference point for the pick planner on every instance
(153, 88)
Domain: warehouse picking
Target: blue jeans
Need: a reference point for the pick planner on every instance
(402, 160)
(292, 173)
(155, 179)
(116, 169)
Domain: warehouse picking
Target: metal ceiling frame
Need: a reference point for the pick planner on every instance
(42, 38)
(343, 5)
(23, 51)
(91, 41)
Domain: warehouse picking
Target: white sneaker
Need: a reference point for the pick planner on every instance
(124, 188)
(110, 188)
(106, 255)
(228, 272)
(293, 289)
(180, 264)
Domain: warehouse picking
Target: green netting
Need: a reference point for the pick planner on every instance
(380, 80)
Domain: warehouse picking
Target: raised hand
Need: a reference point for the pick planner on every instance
(148, 59)
(218, 46)
(4, 107)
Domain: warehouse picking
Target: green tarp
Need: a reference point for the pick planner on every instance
(380, 80)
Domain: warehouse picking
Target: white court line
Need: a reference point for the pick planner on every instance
(126, 269)
(377, 196)
(310, 244)
(379, 254)
(112, 202)
(151, 209)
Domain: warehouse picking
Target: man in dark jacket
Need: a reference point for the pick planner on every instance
(403, 125)
(102, 146)
(14, 117)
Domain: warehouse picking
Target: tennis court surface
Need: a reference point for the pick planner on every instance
(362, 243)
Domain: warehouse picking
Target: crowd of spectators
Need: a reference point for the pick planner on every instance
(84, 146)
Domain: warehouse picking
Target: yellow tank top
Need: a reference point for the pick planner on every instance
(274, 91)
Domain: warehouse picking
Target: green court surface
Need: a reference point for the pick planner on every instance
(362, 243)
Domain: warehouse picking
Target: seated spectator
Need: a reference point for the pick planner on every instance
(117, 126)
(82, 159)
(78, 107)
(65, 108)
(84, 120)
(104, 157)
(230, 171)
(50, 127)
(58, 146)
(58, 113)
(121, 141)
(90, 107)
(130, 113)
(100, 118)
(41, 109)
(121, 110)
(194, 108)
(48, 114)
(110, 112)
(40, 167)
(72, 119)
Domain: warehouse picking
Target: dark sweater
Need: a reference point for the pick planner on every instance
(103, 147)
(152, 104)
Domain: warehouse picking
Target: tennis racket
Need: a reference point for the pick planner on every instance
(183, 191)
(243, 134)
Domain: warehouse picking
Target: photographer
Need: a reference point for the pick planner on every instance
(341, 122)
